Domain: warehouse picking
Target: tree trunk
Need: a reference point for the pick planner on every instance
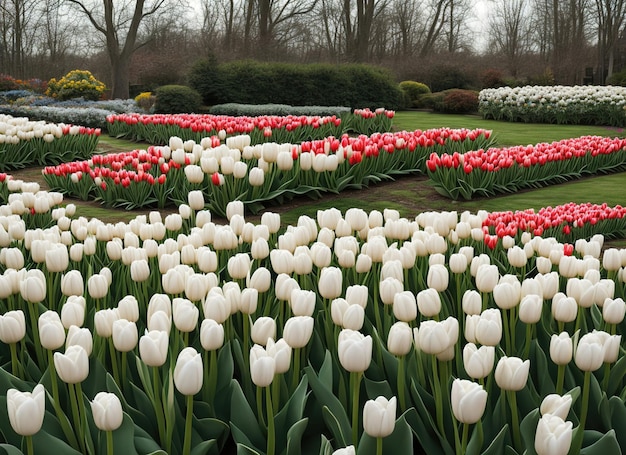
(120, 79)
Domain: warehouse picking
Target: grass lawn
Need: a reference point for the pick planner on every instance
(413, 194)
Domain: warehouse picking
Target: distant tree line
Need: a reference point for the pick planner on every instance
(141, 44)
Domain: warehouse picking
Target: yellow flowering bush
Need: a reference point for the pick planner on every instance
(145, 100)
(76, 84)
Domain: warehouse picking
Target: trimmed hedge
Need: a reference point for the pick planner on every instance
(253, 110)
(177, 99)
(413, 92)
(250, 82)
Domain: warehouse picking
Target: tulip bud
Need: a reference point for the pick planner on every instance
(400, 339)
(561, 348)
(379, 417)
(261, 280)
(553, 436)
(530, 309)
(388, 288)
(103, 321)
(124, 335)
(298, 330)
(471, 302)
(26, 410)
(107, 411)
(438, 277)
(281, 352)
(487, 277)
(72, 366)
(512, 373)
(468, 401)
(405, 306)
(350, 450)
(153, 347)
(73, 312)
(263, 329)
(564, 309)
(354, 350)
(613, 310)
(478, 362)
(302, 302)
(72, 283)
(51, 330)
(12, 326)
(507, 294)
(556, 405)
(33, 289)
(185, 314)
(97, 286)
(262, 366)
(188, 372)
(489, 327)
(330, 283)
(429, 302)
(211, 335)
(81, 337)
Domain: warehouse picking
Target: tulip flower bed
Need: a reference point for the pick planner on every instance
(158, 128)
(492, 171)
(588, 104)
(24, 143)
(257, 175)
(355, 333)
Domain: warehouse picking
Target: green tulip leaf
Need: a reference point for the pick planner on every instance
(378, 388)
(10, 450)
(528, 429)
(497, 445)
(335, 427)
(211, 429)
(244, 420)
(243, 449)
(294, 437)
(605, 445)
(44, 442)
(144, 375)
(122, 438)
(326, 447)
(477, 438)
(145, 444)
(399, 442)
(291, 413)
(616, 377)
(543, 381)
(596, 316)
(424, 427)
(225, 367)
(618, 419)
(605, 411)
(205, 448)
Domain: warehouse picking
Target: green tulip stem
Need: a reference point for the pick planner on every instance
(507, 334)
(271, 431)
(513, 322)
(561, 326)
(158, 405)
(15, 364)
(457, 440)
(213, 377)
(485, 300)
(529, 334)
(246, 341)
(124, 368)
(67, 430)
(517, 440)
(276, 392)
(109, 443)
(86, 434)
(113, 352)
(259, 406)
(577, 441)
(464, 437)
(607, 375)
(76, 417)
(29, 445)
(34, 324)
(379, 446)
(296, 369)
(401, 380)
(560, 378)
(355, 386)
(188, 422)
(438, 395)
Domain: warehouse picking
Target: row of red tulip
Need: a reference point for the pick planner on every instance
(501, 170)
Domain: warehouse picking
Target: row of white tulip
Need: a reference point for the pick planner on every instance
(309, 281)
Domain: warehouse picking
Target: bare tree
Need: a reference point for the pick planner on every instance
(611, 15)
(358, 17)
(19, 26)
(275, 13)
(510, 29)
(118, 22)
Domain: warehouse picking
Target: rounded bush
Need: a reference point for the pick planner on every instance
(460, 102)
(492, 78)
(76, 84)
(145, 100)
(413, 92)
(177, 99)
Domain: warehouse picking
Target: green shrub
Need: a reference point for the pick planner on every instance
(254, 110)
(177, 99)
(445, 77)
(460, 102)
(250, 82)
(145, 100)
(76, 84)
(618, 78)
(413, 92)
(492, 78)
